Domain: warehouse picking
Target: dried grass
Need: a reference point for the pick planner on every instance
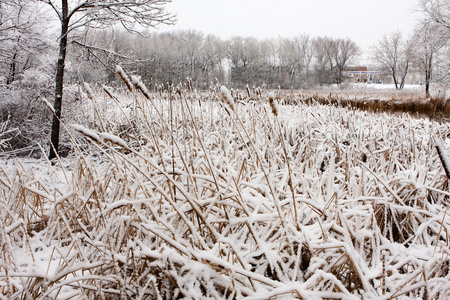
(211, 202)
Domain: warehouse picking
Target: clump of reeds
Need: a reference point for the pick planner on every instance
(202, 209)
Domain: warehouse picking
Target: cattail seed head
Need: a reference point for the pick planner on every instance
(443, 156)
(227, 96)
(124, 77)
(88, 90)
(272, 103)
(136, 80)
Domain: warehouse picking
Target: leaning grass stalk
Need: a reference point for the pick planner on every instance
(245, 209)
(257, 239)
(443, 156)
(392, 192)
(208, 159)
(203, 147)
(228, 99)
(283, 144)
(90, 95)
(135, 134)
(172, 141)
(59, 161)
(138, 104)
(156, 142)
(157, 146)
(440, 230)
(411, 278)
(73, 142)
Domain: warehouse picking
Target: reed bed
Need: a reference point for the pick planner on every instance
(181, 195)
(436, 107)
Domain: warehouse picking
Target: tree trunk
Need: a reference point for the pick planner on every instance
(428, 76)
(395, 81)
(59, 80)
(12, 69)
(427, 83)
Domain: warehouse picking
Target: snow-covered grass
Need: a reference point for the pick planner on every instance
(190, 197)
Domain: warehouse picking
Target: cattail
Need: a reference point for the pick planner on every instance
(124, 77)
(113, 139)
(49, 105)
(272, 103)
(227, 96)
(88, 90)
(108, 92)
(443, 156)
(136, 80)
(87, 132)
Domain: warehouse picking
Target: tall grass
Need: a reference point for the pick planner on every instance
(375, 100)
(190, 197)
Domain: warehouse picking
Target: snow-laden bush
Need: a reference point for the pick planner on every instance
(25, 118)
(22, 106)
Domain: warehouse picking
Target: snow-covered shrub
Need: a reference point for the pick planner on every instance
(27, 119)
(21, 104)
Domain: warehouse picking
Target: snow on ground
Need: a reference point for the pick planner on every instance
(209, 201)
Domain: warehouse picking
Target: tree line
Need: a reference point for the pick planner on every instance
(170, 58)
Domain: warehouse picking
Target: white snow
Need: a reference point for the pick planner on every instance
(114, 139)
(87, 132)
(194, 213)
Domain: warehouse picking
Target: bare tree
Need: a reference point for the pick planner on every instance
(432, 35)
(213, 55)
(248, 57)
(430, 38)
(394, 55)
(324, 51)
(305, 46)
(290, 61)
(346, 52)
(22, 37)
(97, 14)
(437, 11)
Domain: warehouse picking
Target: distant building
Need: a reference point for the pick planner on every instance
(362, 74)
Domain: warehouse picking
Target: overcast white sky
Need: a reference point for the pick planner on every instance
(364, 21)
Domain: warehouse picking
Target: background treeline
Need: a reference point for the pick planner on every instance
(166, 58)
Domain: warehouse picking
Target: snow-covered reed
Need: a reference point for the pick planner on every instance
(186, 199)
